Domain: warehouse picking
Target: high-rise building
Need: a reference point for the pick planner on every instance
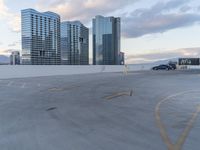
(106, 40)
(74, 43)
(15, 58)
(40, 38)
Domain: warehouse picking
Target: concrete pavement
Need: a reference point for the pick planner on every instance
(139, 111)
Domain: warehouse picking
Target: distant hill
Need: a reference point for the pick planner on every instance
(4, 59)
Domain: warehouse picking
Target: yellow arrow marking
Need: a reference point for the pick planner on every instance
(163, 132)
(187, 130)
(119, 94)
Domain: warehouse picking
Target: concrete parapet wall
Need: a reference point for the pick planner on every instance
(21, 71)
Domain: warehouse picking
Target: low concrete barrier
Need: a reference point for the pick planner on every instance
(188, 67)
(193, 67)
(7, 71)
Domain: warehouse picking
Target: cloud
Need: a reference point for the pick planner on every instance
(82, 10)
(167, 55)
(15, 23)
(14, 44)
(7, 52)
(185, 8)
(12, 19)
(3, 9)
(158, 19)
(11, 45)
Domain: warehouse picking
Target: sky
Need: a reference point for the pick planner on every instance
(152, 30)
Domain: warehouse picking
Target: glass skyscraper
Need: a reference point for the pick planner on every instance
(40, 38)
(15, 58)
(74, 43)
(106, 40)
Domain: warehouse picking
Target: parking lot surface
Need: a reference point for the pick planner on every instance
(147, 110)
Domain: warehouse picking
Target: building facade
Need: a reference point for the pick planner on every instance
(106, 40)
(15, 58)
(40, 38)
(74, 43)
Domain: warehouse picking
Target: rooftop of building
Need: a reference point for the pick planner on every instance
(47, 13)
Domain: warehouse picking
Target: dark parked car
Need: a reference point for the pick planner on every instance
(162, 67)
(173, 65)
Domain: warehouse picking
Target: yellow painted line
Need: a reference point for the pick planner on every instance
(62, 89)
(163, 132)
(187, 130)
(162, 128)
(72, 87)
(119, 94)
(55, 89)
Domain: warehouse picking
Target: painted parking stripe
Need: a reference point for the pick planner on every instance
(163, 132)
(119, 94)
(57, 89)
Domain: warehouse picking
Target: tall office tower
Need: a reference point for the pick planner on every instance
(74, 43)
(15, 58)
(40, 38)
(106, 40)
